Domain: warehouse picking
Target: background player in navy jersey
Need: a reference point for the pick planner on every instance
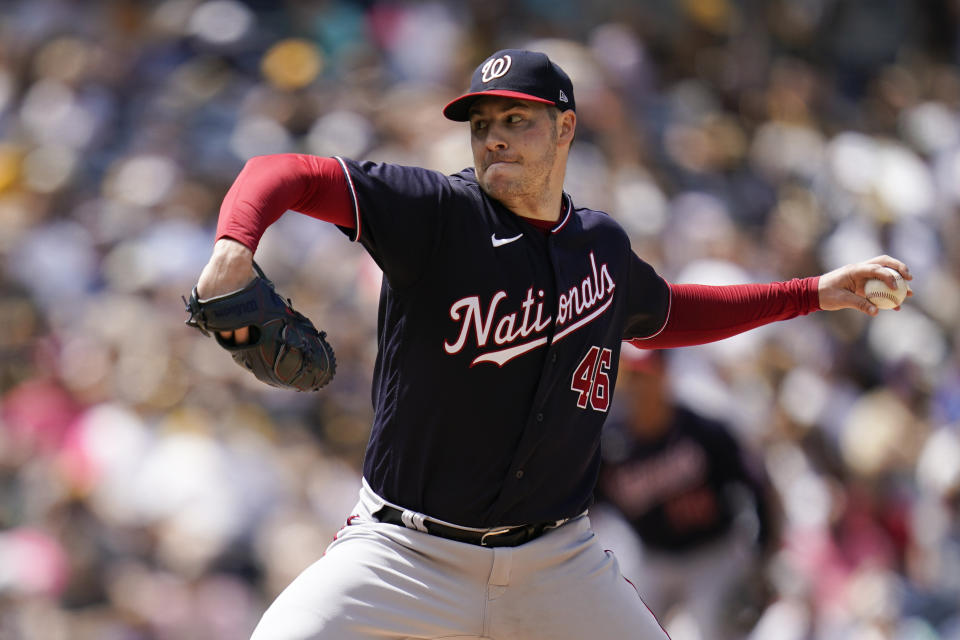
(502, 312)
(688, 509)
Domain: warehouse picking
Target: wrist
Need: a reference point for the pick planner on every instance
(230, 250)
(230, 268)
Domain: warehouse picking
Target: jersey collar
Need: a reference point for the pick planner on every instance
(568, 210)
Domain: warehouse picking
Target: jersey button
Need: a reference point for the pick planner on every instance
(539, 417)
(553, 358)
(520, 474)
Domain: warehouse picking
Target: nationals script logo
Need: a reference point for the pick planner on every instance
(508, 327)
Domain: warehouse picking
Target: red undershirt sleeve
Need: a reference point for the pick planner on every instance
(270, 185)
(700, 313)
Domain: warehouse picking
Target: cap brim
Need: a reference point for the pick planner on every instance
(459, 109)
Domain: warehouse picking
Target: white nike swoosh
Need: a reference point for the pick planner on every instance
(499, 242)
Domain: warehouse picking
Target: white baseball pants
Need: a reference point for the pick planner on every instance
(387, 582)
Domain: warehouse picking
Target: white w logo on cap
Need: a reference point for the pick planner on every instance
(495, 68)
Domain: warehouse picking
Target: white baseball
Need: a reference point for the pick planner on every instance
(880, 294)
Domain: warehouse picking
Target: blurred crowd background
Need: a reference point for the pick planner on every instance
(150, 489)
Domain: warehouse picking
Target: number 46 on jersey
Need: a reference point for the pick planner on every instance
(591, 379)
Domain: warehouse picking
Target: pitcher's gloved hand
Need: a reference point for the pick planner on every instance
(284, 350)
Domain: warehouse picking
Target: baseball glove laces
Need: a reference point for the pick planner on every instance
(285, 349)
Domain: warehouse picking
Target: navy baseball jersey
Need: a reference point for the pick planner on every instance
(498, 346)
(676, 490)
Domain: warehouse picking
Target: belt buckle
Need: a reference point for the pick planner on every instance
(493, 533)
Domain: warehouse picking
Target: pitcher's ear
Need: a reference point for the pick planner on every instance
(567, 124)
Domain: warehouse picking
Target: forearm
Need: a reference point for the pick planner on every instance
(268, 186)
(701, 313)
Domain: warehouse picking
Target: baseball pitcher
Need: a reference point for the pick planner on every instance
(503, 308)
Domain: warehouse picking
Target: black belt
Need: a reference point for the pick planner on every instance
(496, 537)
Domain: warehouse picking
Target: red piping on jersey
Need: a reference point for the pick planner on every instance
(353, 195)
(563, 222)
(666, 320)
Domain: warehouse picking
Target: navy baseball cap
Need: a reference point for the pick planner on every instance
(515, 73)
